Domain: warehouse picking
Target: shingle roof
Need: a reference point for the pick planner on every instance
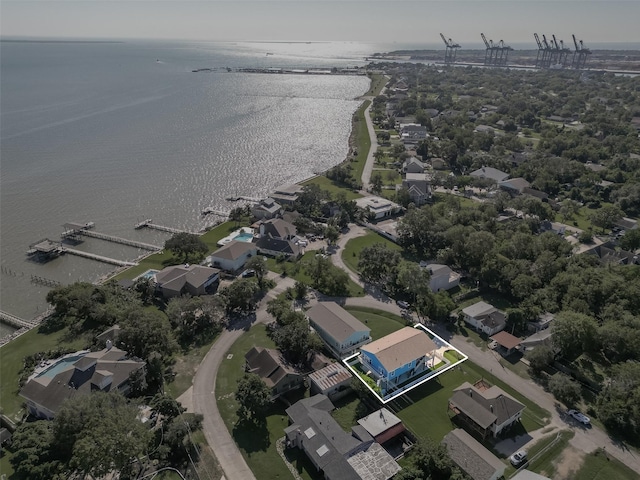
(479, 309)
(493, 402)
(335, 320)
(234, 250)
(177, 276)
(400, 347)
(276, 245)
(278, 228)
(477, 462)
(490, 172)
(268, 365)
(505, 339)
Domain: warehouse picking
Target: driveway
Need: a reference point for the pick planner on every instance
(203, 392)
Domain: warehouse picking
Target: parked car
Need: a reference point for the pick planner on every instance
(518, 458)
(248, 273)
(581, 417)
(403, 304)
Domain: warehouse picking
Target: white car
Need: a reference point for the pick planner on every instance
(518, 458)
(581, 417)
(402, 304)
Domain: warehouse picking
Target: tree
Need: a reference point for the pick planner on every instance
(240, 295)
(331, 233)
(258, 265)
(146, 331)
(196, 319)
(411, 279)
(539, 358)
(378, 155)
(630, 241)
(166, 406)
(34, 455)
(605, 217)
(618, 402)
(433, 460)
(574, 333)
(377, 263)
(565, 389)
(253, 395)
(187, 245)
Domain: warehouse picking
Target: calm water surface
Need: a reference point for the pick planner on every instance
(118, 132)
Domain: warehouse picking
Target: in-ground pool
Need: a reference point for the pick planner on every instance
(148, 275)
(244, 237)
(244, 234)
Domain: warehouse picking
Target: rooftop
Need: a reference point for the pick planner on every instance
(401, 347)
(477, 462)
(335, 320)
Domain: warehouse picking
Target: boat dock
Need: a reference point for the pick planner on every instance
(213, 211)
(148, 224)
(74, 231)
(45, 249)
(99, 258)
(47, 282)
(243, 197)
(17, 321)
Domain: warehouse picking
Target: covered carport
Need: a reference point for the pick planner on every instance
(507, 343)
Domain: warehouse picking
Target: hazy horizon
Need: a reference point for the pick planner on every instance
(366, 21)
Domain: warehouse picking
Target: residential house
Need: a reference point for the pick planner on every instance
(274, 247)
(412, 165)
(186, 279)
(485, 318)
(610, 255)
(378, 207)
(438, 163)
(541, 323)
(274, 371)
(626, 223)
(334, 381)
(232, 256)
(418, 186)
(484, 129)
(341, 332)
(278, 228)
(486, 410)
(335, 453)
(382, 425)
(555, 227)
(514, 186)
(442, 277)
(287, 194)
(399, 357)
(79, 373)
(490, 173)
(474, 459)
(412, 133)
(267, 208)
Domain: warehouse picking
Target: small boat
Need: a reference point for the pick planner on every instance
(269, 54)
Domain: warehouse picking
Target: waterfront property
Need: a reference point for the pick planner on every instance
(232, 256)
(244, 234)
(267, 208)
(342, 333)
(335, 453)
(79, 373)
(403, 360)
(182, 279)
(287, 194)
(484, 409)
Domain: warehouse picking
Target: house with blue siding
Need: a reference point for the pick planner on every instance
(342, 333)
(399, 357)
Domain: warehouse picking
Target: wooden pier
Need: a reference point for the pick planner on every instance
(17, 321)
(99, 258)
(244, 197)
(213, 211)
(148, 223)
(74, 231)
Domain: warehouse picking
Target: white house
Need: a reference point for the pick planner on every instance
(379, 207)
(232, 256)
(342, 333)
(485, 318)
(267, 208)
(442, 277)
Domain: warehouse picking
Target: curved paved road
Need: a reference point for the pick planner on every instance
(204, 391)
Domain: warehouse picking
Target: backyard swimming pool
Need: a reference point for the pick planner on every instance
(244, 234)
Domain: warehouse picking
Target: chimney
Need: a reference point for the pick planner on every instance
(491, 408)
(109, 344)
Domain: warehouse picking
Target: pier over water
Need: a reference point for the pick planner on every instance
(74, 231)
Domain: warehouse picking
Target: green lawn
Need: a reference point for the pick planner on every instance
(381, 323)
(185, 368)
(600, 466)
(256, 442)
(298, 272)
(378, 82)
(362, 141)
(553, 446)
(351, 252)
(332, 187)
(11, 361)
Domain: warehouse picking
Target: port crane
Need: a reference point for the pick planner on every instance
(580, 55)
(451, 49)
(489, 52)
(542, 53)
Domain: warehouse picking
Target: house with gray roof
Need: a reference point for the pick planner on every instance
(274, 247)
(278, 228)
(382, 425)
(514, 186)
(267, 208)
(485, 317)
(80, 373)
(490, 173)
(413, 165)
(342, 333)
(232, 256)
(179, 280)
(336, 454)
(486, 410)
(442, 277)
(274, 371)
(474, 459)
(418, 186)
(287, 194)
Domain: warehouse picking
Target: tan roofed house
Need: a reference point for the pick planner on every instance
(399, 356)
(180, 279)
(233, 255)
(274, 371)
(341, 332)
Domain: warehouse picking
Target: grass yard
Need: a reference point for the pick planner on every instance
(185, 368)
(464, 202)
(256, 442)
(11, 361)
(332, 187)
(378, 82)
(600, 466)
(362, 141)
(296, 270)
(549, 449)
(381, 323)
(351, 252)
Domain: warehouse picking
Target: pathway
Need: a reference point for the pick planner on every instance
(368, 166)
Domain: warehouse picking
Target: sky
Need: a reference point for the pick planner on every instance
(378, 21)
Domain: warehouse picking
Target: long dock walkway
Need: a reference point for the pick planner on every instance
(16, 321)
(99, 258)
(149, 224)
(112, 238)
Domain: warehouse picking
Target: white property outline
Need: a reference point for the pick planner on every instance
(430, 377)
